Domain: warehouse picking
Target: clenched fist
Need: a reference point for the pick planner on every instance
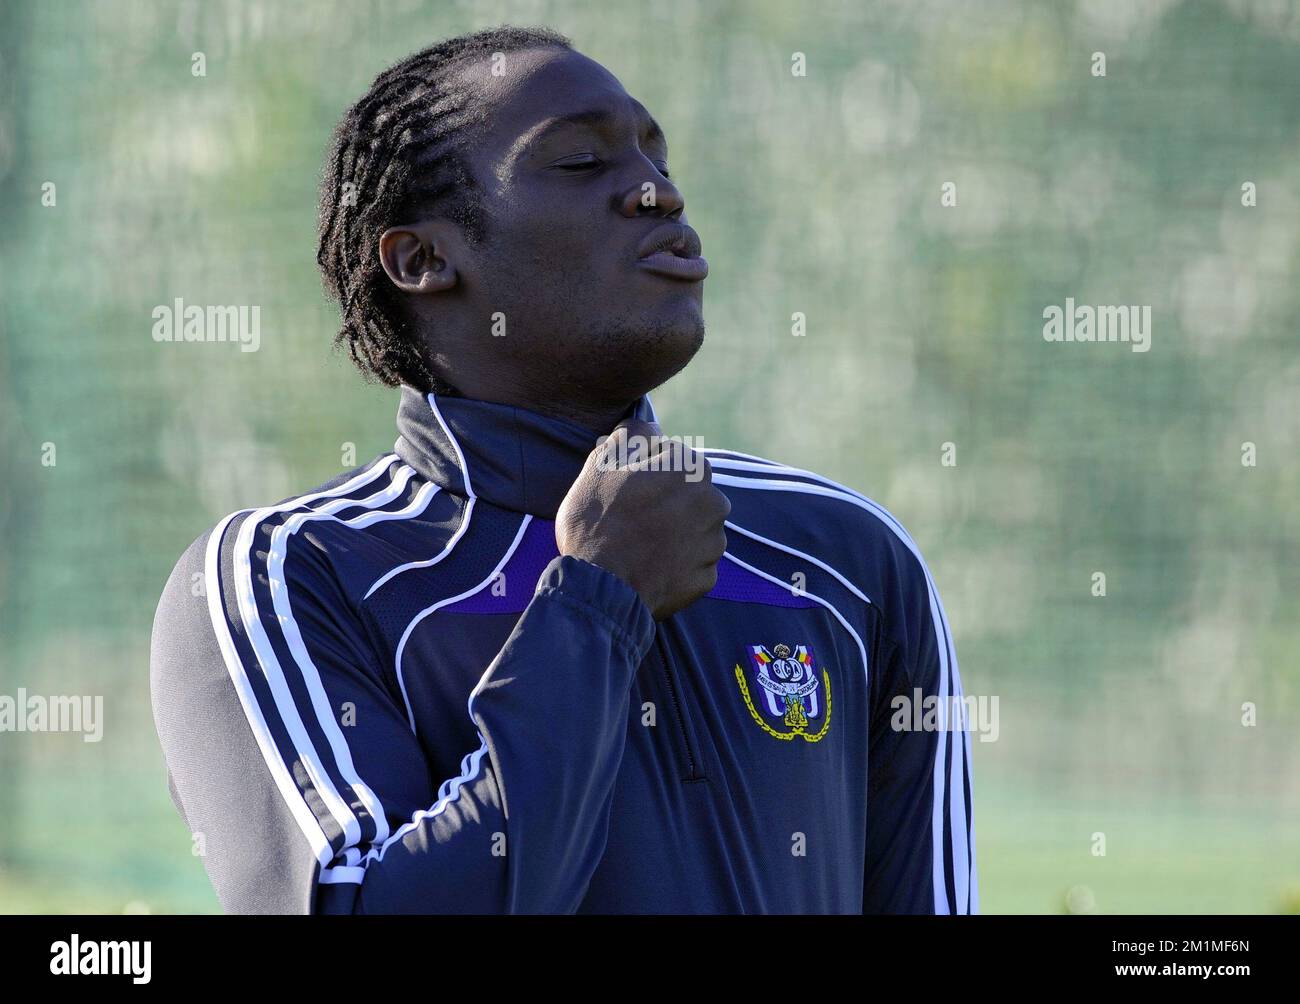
(655, 520)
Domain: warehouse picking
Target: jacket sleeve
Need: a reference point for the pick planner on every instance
(291, 758)
(920, 855)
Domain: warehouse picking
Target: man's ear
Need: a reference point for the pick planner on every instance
(420, 257)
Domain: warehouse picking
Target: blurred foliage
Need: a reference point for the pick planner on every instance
(818, 194)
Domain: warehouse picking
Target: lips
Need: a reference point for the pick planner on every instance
(673, 251)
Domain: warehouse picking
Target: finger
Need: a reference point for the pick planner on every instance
(637, 440)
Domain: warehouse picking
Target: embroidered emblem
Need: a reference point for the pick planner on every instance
(788, 692)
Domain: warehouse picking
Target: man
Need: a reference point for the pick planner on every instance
(506, 668)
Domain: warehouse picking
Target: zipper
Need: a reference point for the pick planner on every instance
(674, 697)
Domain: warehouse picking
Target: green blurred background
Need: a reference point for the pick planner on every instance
(818, 194)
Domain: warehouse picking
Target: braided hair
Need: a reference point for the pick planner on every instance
(398, 154)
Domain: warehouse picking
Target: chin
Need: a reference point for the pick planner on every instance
(681, 325)
(666, 348)
(635, 358)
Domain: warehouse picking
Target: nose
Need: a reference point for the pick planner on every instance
(652, 195)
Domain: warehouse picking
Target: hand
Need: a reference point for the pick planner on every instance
(655, 521)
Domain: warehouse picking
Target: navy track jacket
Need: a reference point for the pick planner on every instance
(392, 694)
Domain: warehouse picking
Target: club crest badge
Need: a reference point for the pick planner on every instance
(788, 697)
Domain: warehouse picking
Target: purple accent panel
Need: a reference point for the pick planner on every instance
(742, 585)
(522, 571)
(538, 549)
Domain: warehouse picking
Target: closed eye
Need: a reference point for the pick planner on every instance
(584, 163)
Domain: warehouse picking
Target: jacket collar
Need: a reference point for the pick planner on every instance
(507, 456)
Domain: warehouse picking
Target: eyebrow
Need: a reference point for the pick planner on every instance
(594, 118)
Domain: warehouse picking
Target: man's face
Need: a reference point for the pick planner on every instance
(564, 161)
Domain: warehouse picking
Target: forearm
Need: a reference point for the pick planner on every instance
(523, 826)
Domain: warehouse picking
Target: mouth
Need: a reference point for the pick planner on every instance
(673, 251)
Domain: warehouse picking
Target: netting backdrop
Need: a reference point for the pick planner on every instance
(818, 195)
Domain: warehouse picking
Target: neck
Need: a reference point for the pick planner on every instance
(599, 417)
(513, 457)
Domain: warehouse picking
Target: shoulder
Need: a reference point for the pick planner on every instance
(803, 514)
(246, 552)
(800, 500)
